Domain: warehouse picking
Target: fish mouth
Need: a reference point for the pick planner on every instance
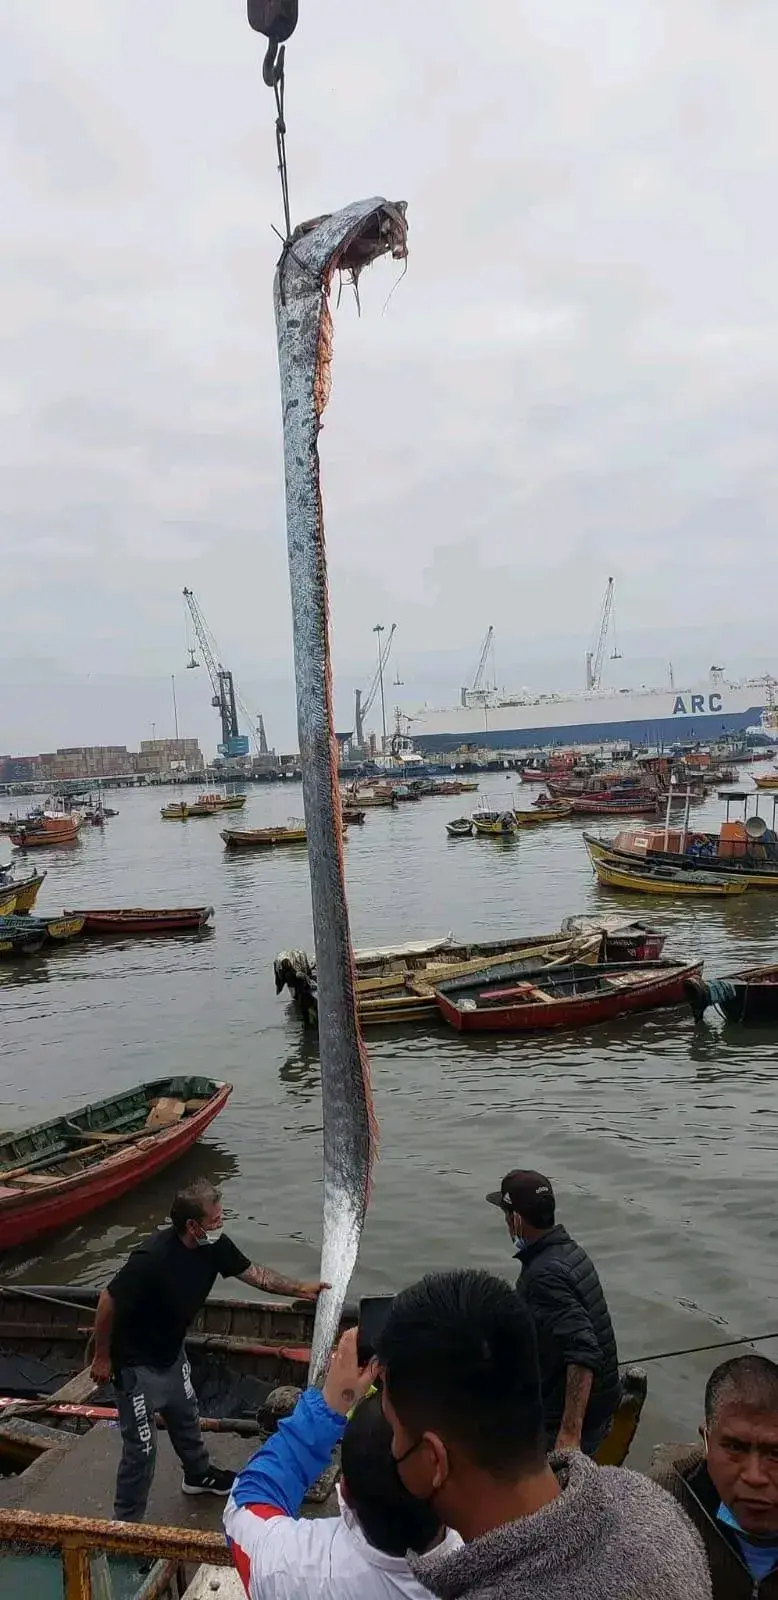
(384, 231)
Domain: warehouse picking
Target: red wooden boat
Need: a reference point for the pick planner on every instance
(53, 1174)
(140, 920)
(613, 806)
(572, 996)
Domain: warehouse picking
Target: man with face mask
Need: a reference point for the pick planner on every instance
(729, 1486)
(140, 1326)
(576, 1344)
(461, 1392)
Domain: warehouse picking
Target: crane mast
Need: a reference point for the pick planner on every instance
(596, 657)
(233, 742)
(363, 701)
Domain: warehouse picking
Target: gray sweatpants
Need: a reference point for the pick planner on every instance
(141, 1391)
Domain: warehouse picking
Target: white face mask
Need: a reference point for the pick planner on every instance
(211, 1236)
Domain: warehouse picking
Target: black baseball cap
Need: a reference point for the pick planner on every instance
(528, 1193)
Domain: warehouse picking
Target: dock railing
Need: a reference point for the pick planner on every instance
(80, 1539)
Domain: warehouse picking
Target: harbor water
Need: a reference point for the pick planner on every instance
(660, 1138)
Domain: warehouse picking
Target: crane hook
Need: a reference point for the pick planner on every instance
(277, 19)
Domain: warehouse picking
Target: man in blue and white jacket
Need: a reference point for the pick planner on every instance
(360, 1555)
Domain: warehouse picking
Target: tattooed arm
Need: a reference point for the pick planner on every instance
(264, 1279)
(578, 1387)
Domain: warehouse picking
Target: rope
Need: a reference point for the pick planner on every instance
(697, 1349)
(279, 86)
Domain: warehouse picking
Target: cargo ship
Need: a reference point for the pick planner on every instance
(706, 712)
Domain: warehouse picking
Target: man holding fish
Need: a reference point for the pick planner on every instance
(140, 1327)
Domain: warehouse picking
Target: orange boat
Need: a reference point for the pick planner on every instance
(43, 831)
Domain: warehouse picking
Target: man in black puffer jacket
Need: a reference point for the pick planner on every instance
(576, 1343)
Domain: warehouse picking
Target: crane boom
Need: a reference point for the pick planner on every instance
(482, 663)
(233, 742)
(363, 701)
(595, 658)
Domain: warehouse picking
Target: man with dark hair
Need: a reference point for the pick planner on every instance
(729, 1485)
(360, 1555)
(141, 1323)
(461, 1389)
(578, 1359)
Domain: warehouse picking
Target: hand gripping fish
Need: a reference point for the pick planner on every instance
(347, 241)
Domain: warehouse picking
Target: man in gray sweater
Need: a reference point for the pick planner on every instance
(461, 1390)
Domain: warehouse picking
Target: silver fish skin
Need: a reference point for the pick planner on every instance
(348, 240)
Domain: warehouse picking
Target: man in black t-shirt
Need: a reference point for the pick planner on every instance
(140, 1327)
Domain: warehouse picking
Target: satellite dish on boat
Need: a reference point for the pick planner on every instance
(755, 827)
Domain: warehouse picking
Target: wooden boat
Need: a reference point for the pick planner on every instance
(24, 890)
(57, 929)
(19, 938)
(651, 877)
(353, 816)
(206, 805)
(769, 780)
(494, 824)
(7, 900)
(238, 1349)
(752, 862)
(232, 802)
(548, 813)
(264, 838)
(571, 996)
(397, 985)
(749, 997)
(58, 1171)
(45, 832)
(593, 806)
(175, 811)
(140, 921)
(535, 774)
(374, 798)
(460, 828)
(621, 938)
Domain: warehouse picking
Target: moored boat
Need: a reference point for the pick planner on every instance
(736, 852)
(175, 811)
(660, 878)
(8, 898)
(621, 939)
(353, 816)
(141, 921)
(494, 824)
(238, 1350)
(18, 938)
(460, 828)
(57, 929)
(768, 780)
(749, 997)
(552, 812)
(58, 1171)
(25, 891)
(43, 832)
(513, 1000)
(264, 838)
(613, 806)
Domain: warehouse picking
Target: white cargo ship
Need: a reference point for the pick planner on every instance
(705, 712)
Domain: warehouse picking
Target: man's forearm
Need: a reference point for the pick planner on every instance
(104, 1324)
(272, 1282)
(578, 1387)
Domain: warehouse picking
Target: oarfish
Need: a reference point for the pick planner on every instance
(348, 241)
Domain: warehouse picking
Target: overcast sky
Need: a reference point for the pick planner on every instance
(577, 375)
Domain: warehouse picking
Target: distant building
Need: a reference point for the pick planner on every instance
(165, 757)
(87, 761)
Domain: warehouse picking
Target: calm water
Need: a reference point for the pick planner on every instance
(661, 1139)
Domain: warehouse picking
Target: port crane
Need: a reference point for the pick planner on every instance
(596, 657)
(364, 700)
(481, 668)
(225, 701)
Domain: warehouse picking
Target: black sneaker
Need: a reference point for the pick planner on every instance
(217, 1480)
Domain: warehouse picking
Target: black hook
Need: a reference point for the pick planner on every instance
(277, 19)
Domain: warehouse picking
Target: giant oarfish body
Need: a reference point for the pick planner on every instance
(348, 240)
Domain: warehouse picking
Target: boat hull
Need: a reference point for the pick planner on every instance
(749, 997)
(576, 1011)
(143, 922)
(733, 868)
(248, 1338)
(262, 838)
(28, 1214)
(665, 881)
(27, 891)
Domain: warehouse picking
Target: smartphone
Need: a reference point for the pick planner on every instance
(373, 1313)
